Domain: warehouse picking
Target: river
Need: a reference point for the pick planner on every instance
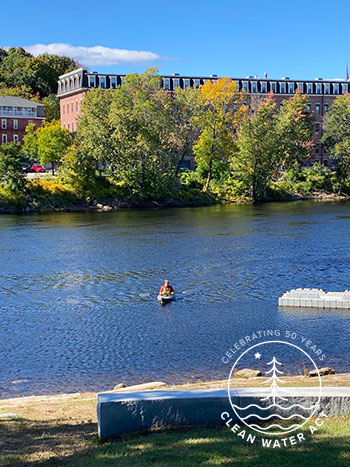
(78, 291)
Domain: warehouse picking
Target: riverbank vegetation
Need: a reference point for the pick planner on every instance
(133, 145)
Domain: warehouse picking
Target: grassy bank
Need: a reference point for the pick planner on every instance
(61, 430)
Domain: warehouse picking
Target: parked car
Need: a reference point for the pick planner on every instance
(38, 168)
(27, 167)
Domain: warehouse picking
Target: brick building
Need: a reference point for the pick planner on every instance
(15, 114)
(73, 86)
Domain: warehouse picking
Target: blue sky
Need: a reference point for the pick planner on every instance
(299, 39)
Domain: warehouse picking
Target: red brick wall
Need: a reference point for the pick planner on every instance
(10, 131)
(70, 108)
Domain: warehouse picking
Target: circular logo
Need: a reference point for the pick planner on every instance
(273, 409)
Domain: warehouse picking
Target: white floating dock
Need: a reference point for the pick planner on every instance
(315, 298)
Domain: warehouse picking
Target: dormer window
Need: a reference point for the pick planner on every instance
(113, 82)
(245, 86)
(309, 88)
(254, 86)
(282, 88)
(327, 88)
(166, 83)
(300, 87)
(263, 86)
(273, 87)
(345, 87)
(102, 82)
(318, 88)
(335, 88)
(176, 83)
(197, 83)
(91, 81)
(187, 83)
(290, 88)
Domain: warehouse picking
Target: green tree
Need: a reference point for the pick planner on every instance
(221, 111)
(144, 152)
(94, 132)
(295, 125)
(336, 137)
(30, 142)
(53, 142)
(11, 164)
(259, 148)
(51, 107)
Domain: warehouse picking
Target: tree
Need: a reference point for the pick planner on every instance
(144, 151)
(222, 108)
(336, 137)
(11, 166)
(295, 125)
(94, 132)
(53, 142)
(30, 142)
(259, 148)
(51, 107)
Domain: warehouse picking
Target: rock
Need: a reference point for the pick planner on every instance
(119, 386)
(323, 372)
(247, 373)
(144, 386)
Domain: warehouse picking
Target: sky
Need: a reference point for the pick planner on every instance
(298, 39)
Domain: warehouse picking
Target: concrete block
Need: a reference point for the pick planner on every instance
(127, 412)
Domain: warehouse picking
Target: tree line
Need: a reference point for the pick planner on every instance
(133, 141)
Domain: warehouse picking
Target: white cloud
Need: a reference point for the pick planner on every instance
(96, 55)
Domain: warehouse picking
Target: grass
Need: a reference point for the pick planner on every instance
(61, 430)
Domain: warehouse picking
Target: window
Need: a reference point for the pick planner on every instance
(4, 139)
(336, 88)
(345, 87)
(309, 88)
(166, 83)
(254, 86)
(63, 109)
(317, 128)
(113, 82)
(72, 126)
(91, 81)
(122, 79)
(30, 121)
(300, 87)
(282, 88)
(245, 86)
(325, 108)
(102, 81)
(263, 86)
(327, 88)
(15, 124)
(67, 107)
(3, 124)
(317, 109)
(316, 149)
(76, 106)
(186, 83)
(15, 138)
(308, 107)
(290, 88)
(68, 125)
(273, 87)
(197, 83)
(318, 88)
(72, 106)
(176, 83)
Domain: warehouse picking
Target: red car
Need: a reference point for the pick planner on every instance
(38, 168)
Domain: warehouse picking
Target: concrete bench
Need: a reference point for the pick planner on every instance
(120, 413)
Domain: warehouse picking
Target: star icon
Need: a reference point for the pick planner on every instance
(257, 355)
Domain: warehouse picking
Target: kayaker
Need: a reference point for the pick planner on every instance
(166, 289)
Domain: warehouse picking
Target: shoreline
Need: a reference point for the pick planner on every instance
(117, 205)
(336, 380)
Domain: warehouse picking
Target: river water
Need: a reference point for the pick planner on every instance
(78, 291)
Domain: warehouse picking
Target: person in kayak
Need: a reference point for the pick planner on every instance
(166, 289)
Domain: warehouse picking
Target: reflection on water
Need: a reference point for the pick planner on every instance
(78, 290)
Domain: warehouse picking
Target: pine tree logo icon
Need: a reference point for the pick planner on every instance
(274, 380)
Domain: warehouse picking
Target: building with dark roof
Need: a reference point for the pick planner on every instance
(15, 114)
(72, 87)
